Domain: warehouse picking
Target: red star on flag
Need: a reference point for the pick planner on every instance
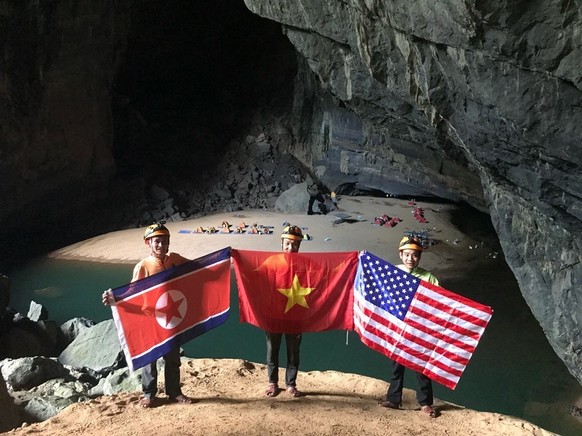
(170, 309)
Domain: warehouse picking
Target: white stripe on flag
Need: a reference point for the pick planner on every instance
(361, 329)
(402, 326)
(455, 304)
(427, 355)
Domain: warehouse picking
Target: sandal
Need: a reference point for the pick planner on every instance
(146, 402)
(181, 399)
(429, 410)
(272, 390)
(292, 390)
(389, 404)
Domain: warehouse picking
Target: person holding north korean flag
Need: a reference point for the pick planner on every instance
(157, 239)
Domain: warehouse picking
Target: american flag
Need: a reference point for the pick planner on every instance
(420, 325)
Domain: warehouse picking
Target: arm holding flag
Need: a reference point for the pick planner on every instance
(290, 293)
(180, 299)
(416, 323)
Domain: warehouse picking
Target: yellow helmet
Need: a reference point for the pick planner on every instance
(293, 233)
(157, 229)
(410, 243)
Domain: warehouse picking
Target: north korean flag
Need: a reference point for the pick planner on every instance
(166, 310)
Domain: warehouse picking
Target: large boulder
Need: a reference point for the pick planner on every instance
(120, 380)
(42, 408)
(96, 348)
(70, 329)
(37, 312)
(26, 338)
(28, 372)
(293, 200)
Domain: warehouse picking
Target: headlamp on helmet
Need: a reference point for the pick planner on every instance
(157, 229)
(293, 233)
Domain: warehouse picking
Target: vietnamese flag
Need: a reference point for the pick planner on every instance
(296, 292)
(166, 310)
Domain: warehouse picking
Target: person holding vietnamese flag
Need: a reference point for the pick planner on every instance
(290, 243)
(290, 293)
(157, 238)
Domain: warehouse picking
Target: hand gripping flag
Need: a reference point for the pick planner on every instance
(296, 292)
(419, 325)
(166, 310)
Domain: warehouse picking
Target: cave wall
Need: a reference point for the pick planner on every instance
(480, 100)
(59, 58)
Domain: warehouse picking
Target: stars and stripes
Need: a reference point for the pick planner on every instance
(418, 324)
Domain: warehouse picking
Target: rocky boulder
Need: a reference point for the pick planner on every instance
(28, 372)
(70, 329)
(96, 348)
(37, 312)
(293, 200)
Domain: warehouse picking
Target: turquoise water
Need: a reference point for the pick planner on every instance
(514, 371)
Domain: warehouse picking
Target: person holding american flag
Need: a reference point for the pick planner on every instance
(410, 251)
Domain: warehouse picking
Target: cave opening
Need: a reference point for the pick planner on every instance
(190, 79)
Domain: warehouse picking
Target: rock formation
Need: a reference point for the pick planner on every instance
(471, 101)
(477, 101)
(36, 387)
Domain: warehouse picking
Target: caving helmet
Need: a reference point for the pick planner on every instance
(156, 229)
(293, 233)
(410, 243)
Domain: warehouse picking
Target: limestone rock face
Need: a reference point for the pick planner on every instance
(55, 104)
(469, 100)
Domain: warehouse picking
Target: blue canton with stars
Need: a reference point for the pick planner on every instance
(384, 285)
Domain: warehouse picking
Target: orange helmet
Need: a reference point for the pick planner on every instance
(293, 233)
(157, 229)
(410, 243)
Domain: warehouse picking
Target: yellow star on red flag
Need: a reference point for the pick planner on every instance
(296, 294)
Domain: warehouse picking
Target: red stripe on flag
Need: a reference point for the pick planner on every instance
(384, 319)
(485, 310)
(445, 325)
(459, 311)
(440, 337)
(427, 351)
(137, 314)
(408, 363)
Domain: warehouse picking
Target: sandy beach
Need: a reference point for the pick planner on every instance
(228, 392)
(327, 232)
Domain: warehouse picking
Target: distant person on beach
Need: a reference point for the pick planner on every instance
(290, 242)
(314, 195)
(410, 250)
(157, 238)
